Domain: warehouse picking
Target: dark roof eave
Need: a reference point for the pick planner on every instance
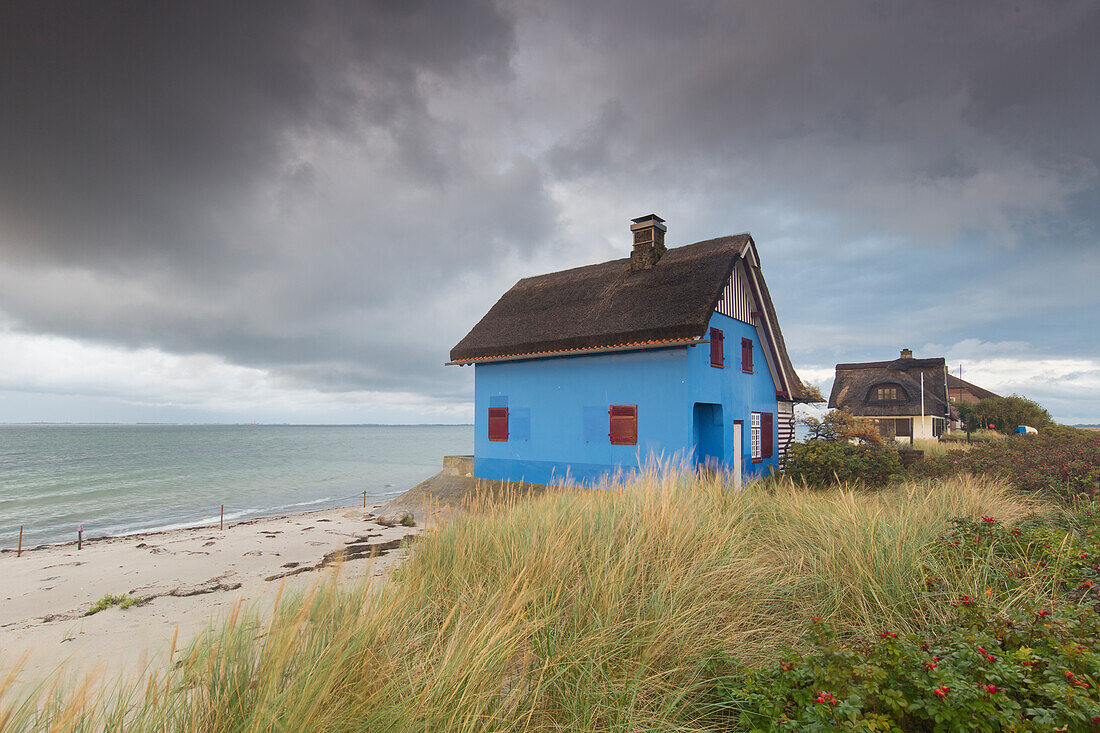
(582, 351)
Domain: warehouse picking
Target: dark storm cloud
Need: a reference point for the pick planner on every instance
(160, 180)
(336, 191)
(126, 124)
(898, 107)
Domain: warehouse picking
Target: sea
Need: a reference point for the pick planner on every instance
(124, 479)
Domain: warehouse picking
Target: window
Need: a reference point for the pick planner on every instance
(624, 424)
(498, 423)
(903, 427)
(886, 393)
(754, 436)
(717, 348)
(767, 431)
(746, 356)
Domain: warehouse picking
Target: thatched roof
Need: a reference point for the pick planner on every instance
(609, 305)
(853, 388)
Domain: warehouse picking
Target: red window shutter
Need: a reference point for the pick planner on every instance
(746, 355)
(717, 348)
(498, 423)
(624, 424)
(767, 431)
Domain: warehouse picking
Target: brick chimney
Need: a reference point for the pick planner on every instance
(906, 353)
(649, 241)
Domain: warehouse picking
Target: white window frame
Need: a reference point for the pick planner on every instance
(754, 433)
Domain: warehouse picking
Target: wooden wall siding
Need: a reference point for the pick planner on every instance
(735, 301)
(785, 421)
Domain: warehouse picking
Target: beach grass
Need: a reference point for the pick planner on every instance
(933, 447)
(574, 610)
(107, 601)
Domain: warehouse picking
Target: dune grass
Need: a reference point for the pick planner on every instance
(107, 601)
(932, 447)
(575, 610)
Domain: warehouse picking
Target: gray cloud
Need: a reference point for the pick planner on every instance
(337, 191)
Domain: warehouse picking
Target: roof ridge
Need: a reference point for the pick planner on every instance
(626, 260)
(931, 361)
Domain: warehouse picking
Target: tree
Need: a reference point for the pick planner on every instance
(1004, 413)
(842, 448)
(812, 393)
(842, 425)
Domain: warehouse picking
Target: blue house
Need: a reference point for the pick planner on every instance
(670, 352)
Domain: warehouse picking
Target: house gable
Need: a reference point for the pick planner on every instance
(962, 391)
(856, 386)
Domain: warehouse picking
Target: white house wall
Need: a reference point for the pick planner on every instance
(923, 429)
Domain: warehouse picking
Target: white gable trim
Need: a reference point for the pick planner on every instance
(763, 327)
(735, 301)
(738, 301)
(765, 341)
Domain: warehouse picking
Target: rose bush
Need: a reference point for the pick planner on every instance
(1059, 461)
(1021, 671)
(1033, 667)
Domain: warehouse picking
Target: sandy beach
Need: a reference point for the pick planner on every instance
(182, 579)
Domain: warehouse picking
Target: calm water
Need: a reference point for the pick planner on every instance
(116, 479)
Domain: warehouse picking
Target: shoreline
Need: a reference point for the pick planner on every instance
(180, 580)
(238, 516)
(160, 530)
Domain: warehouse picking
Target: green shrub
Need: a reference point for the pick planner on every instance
(825, 462)
(1004, 414)
(1064, 462)
(1028, 670)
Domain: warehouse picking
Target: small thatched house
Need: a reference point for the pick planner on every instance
(587, 371)
(906, 397)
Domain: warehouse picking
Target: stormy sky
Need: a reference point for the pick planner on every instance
(289, 212)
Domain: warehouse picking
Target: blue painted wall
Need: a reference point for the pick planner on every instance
(739, 393)
(558, 419)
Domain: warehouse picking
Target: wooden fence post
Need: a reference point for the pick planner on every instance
(80, 536)
(19, 552)
(364, 500)
(221, 519)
